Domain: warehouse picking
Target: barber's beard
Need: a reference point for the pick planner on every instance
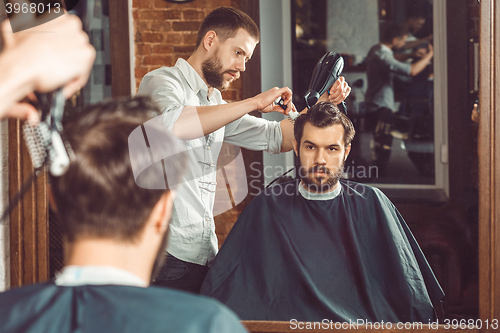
(319, 184)
(161, 255)
(214, 75)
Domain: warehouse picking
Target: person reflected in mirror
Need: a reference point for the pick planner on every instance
(114, 238)
(381, 68)
(413, 47)
(189, 95)
(322, 247)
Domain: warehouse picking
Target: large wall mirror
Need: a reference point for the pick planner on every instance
(431, 175)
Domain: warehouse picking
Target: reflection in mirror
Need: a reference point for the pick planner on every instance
(392, 101)
(445, 229)
(400, 112)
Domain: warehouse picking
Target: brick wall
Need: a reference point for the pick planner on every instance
(164, 32)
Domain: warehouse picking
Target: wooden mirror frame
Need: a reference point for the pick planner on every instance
(29, 221)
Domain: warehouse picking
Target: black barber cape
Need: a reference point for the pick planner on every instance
(111, 308)
(348, 258)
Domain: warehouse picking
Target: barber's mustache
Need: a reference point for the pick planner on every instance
(235, 73)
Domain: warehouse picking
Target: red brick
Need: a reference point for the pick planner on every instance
(162, 49)
(143, 49)
(161, 26)
(190, 38)
(140, 72)
(142, 4)
(184, 49)
(156, 60)
(173, 37)
(151, 37)
(159, 14)
(186, 26)
(193, 14)
(162, 4)
(142, 25)
(135, 14)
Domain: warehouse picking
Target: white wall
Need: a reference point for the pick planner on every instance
(276, 70)
(352, 27)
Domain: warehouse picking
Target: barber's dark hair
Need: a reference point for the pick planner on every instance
(393, 30)
(226, 22)
(324, 114)
(98, 197)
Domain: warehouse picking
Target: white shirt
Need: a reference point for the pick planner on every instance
(71, 276)
(192, 230)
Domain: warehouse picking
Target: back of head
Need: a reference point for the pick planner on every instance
(393, 30)
(98, 197)
(321, 115)
(226, 22)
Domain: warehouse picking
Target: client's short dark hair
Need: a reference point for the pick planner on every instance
(98, 197)
(324, 114)
(392, 30)
(226, 22)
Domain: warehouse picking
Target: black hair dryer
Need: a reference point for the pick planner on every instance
(326, 72)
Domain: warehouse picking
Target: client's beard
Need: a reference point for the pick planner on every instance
(316, 184)
(161, 255)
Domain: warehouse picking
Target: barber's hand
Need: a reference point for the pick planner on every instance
(56, 53)
(337, 93)
(265, 101)
(430, 52)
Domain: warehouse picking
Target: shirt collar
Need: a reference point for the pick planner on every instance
(320, 196)
(386, 48)
(194, 80)
(97, 275)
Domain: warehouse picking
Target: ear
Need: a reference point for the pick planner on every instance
(295, 147)
(209, 40)
(347, 151)
(161, 213)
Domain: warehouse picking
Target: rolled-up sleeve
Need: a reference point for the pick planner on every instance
(168, 93)
(394, 65)
(255, 134)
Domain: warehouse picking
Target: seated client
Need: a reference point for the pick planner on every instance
(318, 248)
(115, 233)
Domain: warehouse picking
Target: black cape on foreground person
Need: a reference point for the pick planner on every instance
(348, 258)
(111, 308)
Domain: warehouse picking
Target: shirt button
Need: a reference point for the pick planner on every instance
(208, 147)
(207, 219)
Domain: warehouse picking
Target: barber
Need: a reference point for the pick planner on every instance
(189, 95)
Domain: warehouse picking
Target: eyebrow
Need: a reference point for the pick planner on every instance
(312, 143)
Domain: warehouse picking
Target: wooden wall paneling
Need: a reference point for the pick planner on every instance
(29, 219)
(119, 25)
(489, 162)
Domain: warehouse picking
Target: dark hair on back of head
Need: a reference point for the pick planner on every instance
(393, 30)
(324, 114)
(226, 22)
(98, 197)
